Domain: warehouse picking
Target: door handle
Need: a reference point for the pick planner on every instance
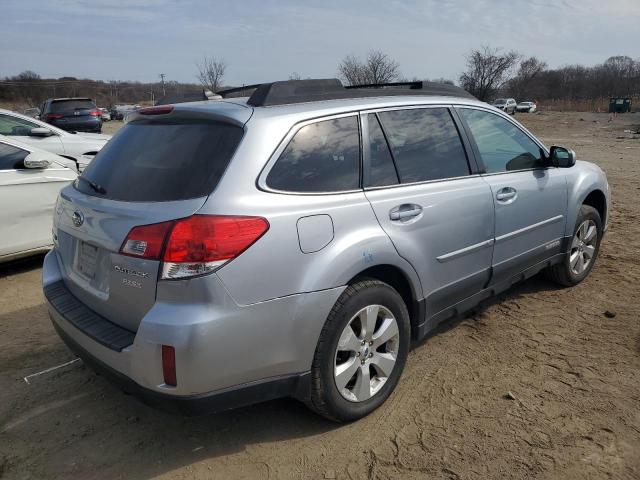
(405, 211)
(506, 194)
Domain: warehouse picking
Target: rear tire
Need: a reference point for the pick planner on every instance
(583, 250)
(361, 352)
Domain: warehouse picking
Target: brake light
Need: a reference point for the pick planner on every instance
(194, 245)
(169, 365)
(203, 243)
(95, 113)
(159, 110)
(54, 116)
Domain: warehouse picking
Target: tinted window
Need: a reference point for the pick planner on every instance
(381, 169)
(11, 158)
(71, 105)
(321, 157)
(425, 144)
(161, 161)
(15, 126)
(503, 146)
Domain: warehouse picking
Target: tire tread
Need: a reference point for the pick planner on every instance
(316, 401)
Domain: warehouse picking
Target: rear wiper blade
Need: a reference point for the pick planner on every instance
(96, 187)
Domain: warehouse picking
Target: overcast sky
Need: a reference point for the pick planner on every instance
(268, 40)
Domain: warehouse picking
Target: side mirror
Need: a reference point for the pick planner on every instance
(40, 132)
(562, 157)
(37, 160)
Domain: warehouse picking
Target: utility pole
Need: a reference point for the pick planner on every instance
(162, 75)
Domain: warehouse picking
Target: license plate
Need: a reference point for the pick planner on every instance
(87, 260)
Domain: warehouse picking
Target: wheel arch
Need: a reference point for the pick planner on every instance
(598, 200)
(587, 186)
(402, 283)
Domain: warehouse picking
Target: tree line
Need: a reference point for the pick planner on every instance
(489, 73)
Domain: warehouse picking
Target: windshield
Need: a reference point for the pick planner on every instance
(500, 101)
(161, 161)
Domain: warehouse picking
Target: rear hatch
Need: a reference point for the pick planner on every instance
(153, 170)
(73, 110)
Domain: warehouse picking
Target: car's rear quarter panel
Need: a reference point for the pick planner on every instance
(276, 265)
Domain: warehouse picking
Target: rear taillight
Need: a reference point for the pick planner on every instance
(54, 116)
(146, 241)
(195, 245)
(95, 113)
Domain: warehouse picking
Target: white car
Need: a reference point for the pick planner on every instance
(106, 116)
(30, 180)
(529, 107)
(79, 147)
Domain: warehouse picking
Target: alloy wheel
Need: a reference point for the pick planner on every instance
(366, 353)
(583, 247)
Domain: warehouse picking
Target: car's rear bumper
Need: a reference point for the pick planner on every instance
(93, 124)
(295, 386)
(227, 355)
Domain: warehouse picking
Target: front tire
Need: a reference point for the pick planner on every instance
(361, 352)
(583, 250)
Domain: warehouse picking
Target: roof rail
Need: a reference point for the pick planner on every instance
(411, 85)
(302, 91)
(230, 91)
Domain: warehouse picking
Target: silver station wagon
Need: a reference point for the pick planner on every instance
(293, 242)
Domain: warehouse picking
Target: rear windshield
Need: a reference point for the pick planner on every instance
(71, 105)
(161, 161)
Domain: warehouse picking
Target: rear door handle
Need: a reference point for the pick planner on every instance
(506, 195)
(405, 211)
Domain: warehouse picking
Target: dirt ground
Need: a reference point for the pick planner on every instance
(538, 383)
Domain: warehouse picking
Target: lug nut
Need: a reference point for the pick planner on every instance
(357, 354)
(364, 342)
(370, 343)
(362, 362)
(370, 354)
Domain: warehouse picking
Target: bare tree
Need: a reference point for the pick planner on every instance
(294, 76)
(377, 68)
(211, 72)
(487, 71)
(523, 84)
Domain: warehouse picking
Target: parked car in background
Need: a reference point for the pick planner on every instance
(293, 242)
(30, 179)
(507, 105)
(32, 112)
(106, 116)
(72, 114)
(528, 107)
(79, 147)
(118, 112)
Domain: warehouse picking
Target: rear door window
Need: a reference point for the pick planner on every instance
(382, 172)
(322, 157)
(154, 161)
(425, 144)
